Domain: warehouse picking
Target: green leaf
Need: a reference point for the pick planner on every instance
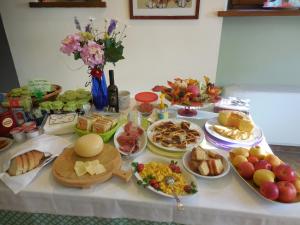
(77, 55)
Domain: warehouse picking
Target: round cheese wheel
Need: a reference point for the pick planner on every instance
(88, 145)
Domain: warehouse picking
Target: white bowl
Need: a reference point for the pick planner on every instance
(143, 142)
(185, 161)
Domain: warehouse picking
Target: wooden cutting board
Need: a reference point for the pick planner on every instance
(110, 158)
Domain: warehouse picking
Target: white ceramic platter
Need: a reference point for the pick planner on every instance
(142, 142)
(186, 158)
(188, 177)
(254, 138)
(256, 190)
(193, 126)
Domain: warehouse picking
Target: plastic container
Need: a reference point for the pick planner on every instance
(145, 102)
(28, 126)
(31, 133)
(18, 134)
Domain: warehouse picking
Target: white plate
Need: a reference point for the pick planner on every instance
(193, 126)
(256, 135)
(10, 142)
(142, 142)
(186, 158)
(188, 177)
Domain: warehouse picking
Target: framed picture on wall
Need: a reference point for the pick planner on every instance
(164, 9)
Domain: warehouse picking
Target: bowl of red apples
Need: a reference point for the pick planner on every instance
(267, 174)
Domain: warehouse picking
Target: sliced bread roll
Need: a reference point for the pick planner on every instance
(16, 166)
(25, 162)
(30, 157)
(37, 157)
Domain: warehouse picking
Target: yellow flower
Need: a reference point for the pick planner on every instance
(87, 36)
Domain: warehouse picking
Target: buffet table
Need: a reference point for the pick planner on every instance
(227, 200)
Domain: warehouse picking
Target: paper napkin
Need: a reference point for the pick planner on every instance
(44, 143)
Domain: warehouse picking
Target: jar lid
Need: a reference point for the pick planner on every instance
(146, 97)
(16, 130)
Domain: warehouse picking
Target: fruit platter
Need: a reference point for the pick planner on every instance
(151, 174)
(266, 174)
(175, 135)
(190, 92)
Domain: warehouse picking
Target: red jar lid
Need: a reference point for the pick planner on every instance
(146, 97)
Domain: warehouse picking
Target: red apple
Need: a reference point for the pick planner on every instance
(287, 191)
(284, 172)
(246, 170)
(262, 164)
(253, 159)
(269, 190)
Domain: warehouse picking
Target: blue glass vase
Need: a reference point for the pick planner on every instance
(99, 92)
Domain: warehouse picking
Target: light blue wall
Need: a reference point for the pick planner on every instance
(260, 50)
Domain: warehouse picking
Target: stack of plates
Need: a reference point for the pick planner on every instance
(171, 152)
(226, 143)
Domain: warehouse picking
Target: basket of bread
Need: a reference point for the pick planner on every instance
(103, 125)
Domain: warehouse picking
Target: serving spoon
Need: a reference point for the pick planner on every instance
(169, 180)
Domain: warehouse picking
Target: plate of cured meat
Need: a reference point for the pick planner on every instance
(130, 139)
(175, 135)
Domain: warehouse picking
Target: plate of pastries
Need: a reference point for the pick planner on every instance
(175, 134)
(205, 163)
(233, 127)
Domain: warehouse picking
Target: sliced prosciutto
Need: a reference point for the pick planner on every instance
(129, 139)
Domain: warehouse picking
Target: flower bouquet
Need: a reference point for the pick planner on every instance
(190, 92)
(95, 49)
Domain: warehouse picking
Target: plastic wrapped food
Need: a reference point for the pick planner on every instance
(46, 106)
(70, 106)
(57, 105)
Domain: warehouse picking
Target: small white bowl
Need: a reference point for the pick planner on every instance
(143, 142)
(186, 158)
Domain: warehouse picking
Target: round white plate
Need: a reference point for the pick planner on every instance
(142, 144)
(188, 177)
(256, 135)
(193, 126)
(186, 158)
(10, 142)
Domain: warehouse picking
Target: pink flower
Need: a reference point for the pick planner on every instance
(71, 44)
(92, 54)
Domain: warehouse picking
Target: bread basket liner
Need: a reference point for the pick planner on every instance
(49, 144)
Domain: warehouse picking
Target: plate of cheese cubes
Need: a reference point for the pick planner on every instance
(103, 125)
(205, 163)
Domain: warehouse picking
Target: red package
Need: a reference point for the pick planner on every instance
(7, 122)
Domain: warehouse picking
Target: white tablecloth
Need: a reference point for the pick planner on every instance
(224, 201)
